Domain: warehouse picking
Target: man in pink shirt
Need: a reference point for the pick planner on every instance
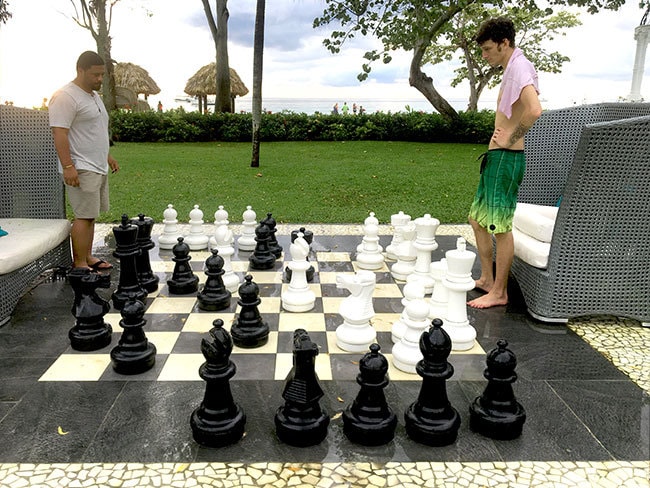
(503, 165)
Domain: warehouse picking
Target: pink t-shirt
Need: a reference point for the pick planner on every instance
(519, 74)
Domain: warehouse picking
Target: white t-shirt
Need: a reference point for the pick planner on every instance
(85, 116)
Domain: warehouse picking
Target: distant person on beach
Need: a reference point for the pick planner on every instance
(361, 110)
(502, 167)
(335, 109)
(79, 123)
(345, 109)
(159, 106)
(354, 108)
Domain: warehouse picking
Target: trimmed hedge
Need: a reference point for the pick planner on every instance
(181, 126)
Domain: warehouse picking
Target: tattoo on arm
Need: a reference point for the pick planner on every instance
(518, 133)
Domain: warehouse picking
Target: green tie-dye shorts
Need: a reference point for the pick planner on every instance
(496, 196)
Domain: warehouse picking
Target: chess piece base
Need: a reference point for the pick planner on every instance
(183, 287)
(90, 339)
(249, 339)
(303, 431)
(217, 429)
(434, 432)
(496, 424)
(355, 338)
(369, 433)
(133, 362)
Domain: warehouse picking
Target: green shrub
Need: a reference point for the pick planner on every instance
(180, 126)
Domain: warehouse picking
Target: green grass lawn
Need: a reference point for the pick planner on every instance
(299, 182)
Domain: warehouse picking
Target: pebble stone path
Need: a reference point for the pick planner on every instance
(622, 341)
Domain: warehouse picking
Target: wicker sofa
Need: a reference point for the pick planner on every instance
(597, 159)
(32, 205)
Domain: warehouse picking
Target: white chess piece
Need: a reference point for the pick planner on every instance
(371, 256)
(406, 254)
(220, 218)
(370, 220)
(223, 244)
(246, 241)
(458, 282)
(398, 221)
(406, 353)
(439, 295)
(170, 233)
(412, 291)
(356, 333)
(298, 296)
(425, 243)
(197, 238)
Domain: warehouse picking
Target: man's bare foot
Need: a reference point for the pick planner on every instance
(489, 300)
(483, 285)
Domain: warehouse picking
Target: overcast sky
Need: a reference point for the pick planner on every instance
(40, 44)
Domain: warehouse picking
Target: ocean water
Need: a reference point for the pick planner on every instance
(325, 105)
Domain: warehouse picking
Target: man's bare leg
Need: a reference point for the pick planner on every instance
(82, 234)
(498, 293)
(485, 253)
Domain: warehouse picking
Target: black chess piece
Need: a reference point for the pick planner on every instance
(90, 332)
(309, 237)
(496, 413)
(214, 295)
(262, 257)
(146, 277)
(183, 280)
(249, 329)
(218, 421)
(274, 247)
(134, 354)
(369, 420)
(127, 250)
(301, 421)
(431, 420)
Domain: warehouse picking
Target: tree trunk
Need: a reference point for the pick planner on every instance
(223, 101)
(424, 83)
(103, 41)
(258, 58)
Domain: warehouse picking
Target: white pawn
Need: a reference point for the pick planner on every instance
(220, 218)
(406, 254)
(223, 243)
(246, 241)
(356, 333)
(370, 257)
(370, 220)
(298, 296)
(406, 353)
(458, 282)
(412, 291)
(398, 221)
(170, 233)
(425, 243)
(439, 295)
(197, 238)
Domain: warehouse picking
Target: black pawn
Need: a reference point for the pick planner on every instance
(134, 354)
(369, 420)
(262, 257)
(90, 332)
(218, 421)
(214, 295)
(309, 237)
(496, 413)
(249, 328)
(183, 280)
(146, 277)
(431, 420)
(274, 247)
(300, 421)
(127, 250)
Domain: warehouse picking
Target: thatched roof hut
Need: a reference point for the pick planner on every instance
(204, 83)
(135, 78)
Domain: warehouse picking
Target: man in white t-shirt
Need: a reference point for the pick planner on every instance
(79, 123)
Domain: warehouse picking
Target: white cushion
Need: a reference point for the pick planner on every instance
(535, 220)
(28, 240)
(530, 250)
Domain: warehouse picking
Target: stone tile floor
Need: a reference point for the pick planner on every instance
(621, 341)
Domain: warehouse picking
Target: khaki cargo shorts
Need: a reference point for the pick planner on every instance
(90, 197)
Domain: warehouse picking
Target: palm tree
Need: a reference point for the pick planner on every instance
(219, 29)
(258, 57)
